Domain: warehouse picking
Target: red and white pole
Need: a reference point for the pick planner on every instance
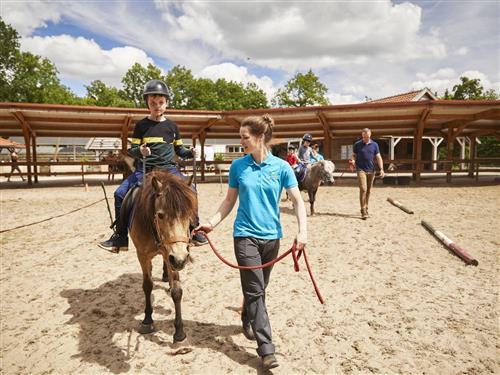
(461, 253)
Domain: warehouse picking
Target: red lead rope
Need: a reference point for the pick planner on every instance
(295, 256)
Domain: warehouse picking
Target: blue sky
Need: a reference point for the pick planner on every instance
(357, 48)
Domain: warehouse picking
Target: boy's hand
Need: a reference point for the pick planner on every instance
(193, 151)
(145, 150)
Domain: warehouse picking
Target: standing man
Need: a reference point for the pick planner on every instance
(364, 152)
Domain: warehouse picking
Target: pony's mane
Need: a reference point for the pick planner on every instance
(180, 203)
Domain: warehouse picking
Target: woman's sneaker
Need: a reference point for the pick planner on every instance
(269, 361)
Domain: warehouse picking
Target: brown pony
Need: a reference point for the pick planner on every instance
(164, 208)
(317, 172)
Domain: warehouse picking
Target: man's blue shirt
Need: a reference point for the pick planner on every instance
(259, 192)
(365, 153)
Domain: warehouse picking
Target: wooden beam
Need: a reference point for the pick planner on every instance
(232, 122)
(202, 138)
(18, 115)
(27, 133)
(472, 156)
(327, 146)
(35, 171)
(418, 141)
(489, 114)
(206, 126)
(449, 153)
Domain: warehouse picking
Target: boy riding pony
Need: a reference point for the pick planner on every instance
(156, 139)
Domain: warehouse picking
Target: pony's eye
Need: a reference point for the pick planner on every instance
(160, 215)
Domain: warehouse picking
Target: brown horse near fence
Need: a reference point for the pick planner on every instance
(164, 208)
(322, 171)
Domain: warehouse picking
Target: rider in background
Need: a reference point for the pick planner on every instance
(257, 180)
(305, 149)
(315, 155)
(291, 157)
(304, 157)
(157, 139)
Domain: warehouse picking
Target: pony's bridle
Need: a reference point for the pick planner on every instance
(161, 241)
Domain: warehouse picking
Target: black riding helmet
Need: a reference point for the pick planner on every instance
(155, 87)
(307, 137)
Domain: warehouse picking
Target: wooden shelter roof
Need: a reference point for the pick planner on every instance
(429, 117)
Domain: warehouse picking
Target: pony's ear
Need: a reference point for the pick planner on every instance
(156, 185)
(190, 180)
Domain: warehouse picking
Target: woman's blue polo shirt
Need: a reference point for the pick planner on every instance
(259, 192)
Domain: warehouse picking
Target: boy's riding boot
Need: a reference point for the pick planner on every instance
(118, 240)
(197, 239)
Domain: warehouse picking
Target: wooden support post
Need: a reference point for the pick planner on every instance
(327, 146)
(419, 132)
(202, 143)
(472, 156)
(124, 138)
(449, 153)
(193, 141)
(27, 133)
(35, 169)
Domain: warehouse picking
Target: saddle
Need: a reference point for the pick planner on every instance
(301, 172)
(127, 209)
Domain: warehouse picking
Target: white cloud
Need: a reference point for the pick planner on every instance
(290, 36)
(462, 51)
(26, 16)
(304, 35)
(446, 78)
(336, 98)
(240, 74)
(83, 59)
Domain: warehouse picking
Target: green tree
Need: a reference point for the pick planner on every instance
(254, 97)
(489, 147)
(135, 79)
(469, 89)
(35, 81)
(300, 91)
(101, 95)
(9, 55)
(181, 83)
(202, 93)
(25, 77)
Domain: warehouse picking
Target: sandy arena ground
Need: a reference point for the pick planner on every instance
(397, 301)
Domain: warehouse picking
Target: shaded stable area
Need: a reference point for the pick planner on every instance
(454, 121)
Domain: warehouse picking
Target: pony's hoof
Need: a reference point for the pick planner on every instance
(179, 337)
(146, 328)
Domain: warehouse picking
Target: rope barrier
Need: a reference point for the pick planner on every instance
(50, 218)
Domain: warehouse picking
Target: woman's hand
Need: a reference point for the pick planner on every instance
(205, 227)
(301, 240)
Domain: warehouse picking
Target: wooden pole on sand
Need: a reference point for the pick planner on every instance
(461, 253)
(399, 205)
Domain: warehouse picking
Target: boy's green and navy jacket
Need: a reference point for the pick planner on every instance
(163, 139)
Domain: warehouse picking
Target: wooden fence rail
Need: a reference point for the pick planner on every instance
(221, 168)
